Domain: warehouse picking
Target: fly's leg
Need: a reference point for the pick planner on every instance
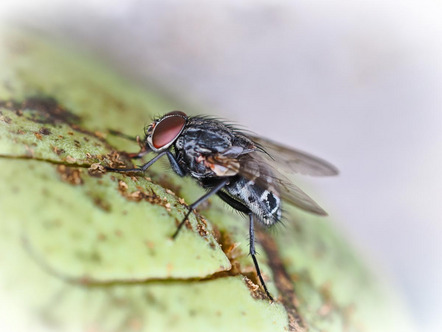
(138, 155)
(140, 169)
(203, 198)
(242, 208)
(253, 254)
(134, 155)
(122, 135)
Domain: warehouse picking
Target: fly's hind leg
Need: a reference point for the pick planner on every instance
(253, 254)
(242, 208)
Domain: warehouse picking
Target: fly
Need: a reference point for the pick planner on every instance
(236, 166)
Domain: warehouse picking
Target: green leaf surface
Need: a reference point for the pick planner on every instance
(83, 250)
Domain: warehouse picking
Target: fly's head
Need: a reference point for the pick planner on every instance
(163, 132)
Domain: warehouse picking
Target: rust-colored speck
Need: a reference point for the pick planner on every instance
(71, 160)
(230, 248)
(135, 196)
(122, 186)
(44, 131)
(255, 290)
(99, 134)
(5, 119)
(170, 192)
(37, 136)
(141, 194)
(169, 268)
(102, 237)
(105, 206)
(135, 324)
(70, 175)
(29, 151)
(114, 160)
(201, 228)
(188, 224)
(150, 244)
(57, 151)
(96, 170)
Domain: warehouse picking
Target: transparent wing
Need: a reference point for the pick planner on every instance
(254, 167)
(295, 161)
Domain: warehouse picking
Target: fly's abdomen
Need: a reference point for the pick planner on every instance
(262, 202)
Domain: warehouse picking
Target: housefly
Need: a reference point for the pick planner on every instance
(236, 166)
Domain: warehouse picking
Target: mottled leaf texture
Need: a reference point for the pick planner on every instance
(85, 250)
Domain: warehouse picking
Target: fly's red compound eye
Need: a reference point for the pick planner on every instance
(168, 129)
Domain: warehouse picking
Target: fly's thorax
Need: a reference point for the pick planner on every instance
(200, 141)
(264, 203)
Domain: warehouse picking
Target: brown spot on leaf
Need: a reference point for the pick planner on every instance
(102, 204)
(99, 134)
(188, 224)
(142, 195)
(201, 227)
(38, 136)
(255, 290)
(114, 160)
(44, 131)
(122, 186)
(70, 175)
(102, 237)
(230, 248)
(71, 160)
(47, 110)
(5, 119)
(96, 170)
(57, 150)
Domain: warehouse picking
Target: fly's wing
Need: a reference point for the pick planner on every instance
(254, 167)
(294, 161)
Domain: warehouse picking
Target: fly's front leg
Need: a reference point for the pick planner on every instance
(203, 198)
(174, 164)
(140, 169)
(253, 254)
(132, 155)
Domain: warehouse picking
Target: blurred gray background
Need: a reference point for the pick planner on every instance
(357, 83)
